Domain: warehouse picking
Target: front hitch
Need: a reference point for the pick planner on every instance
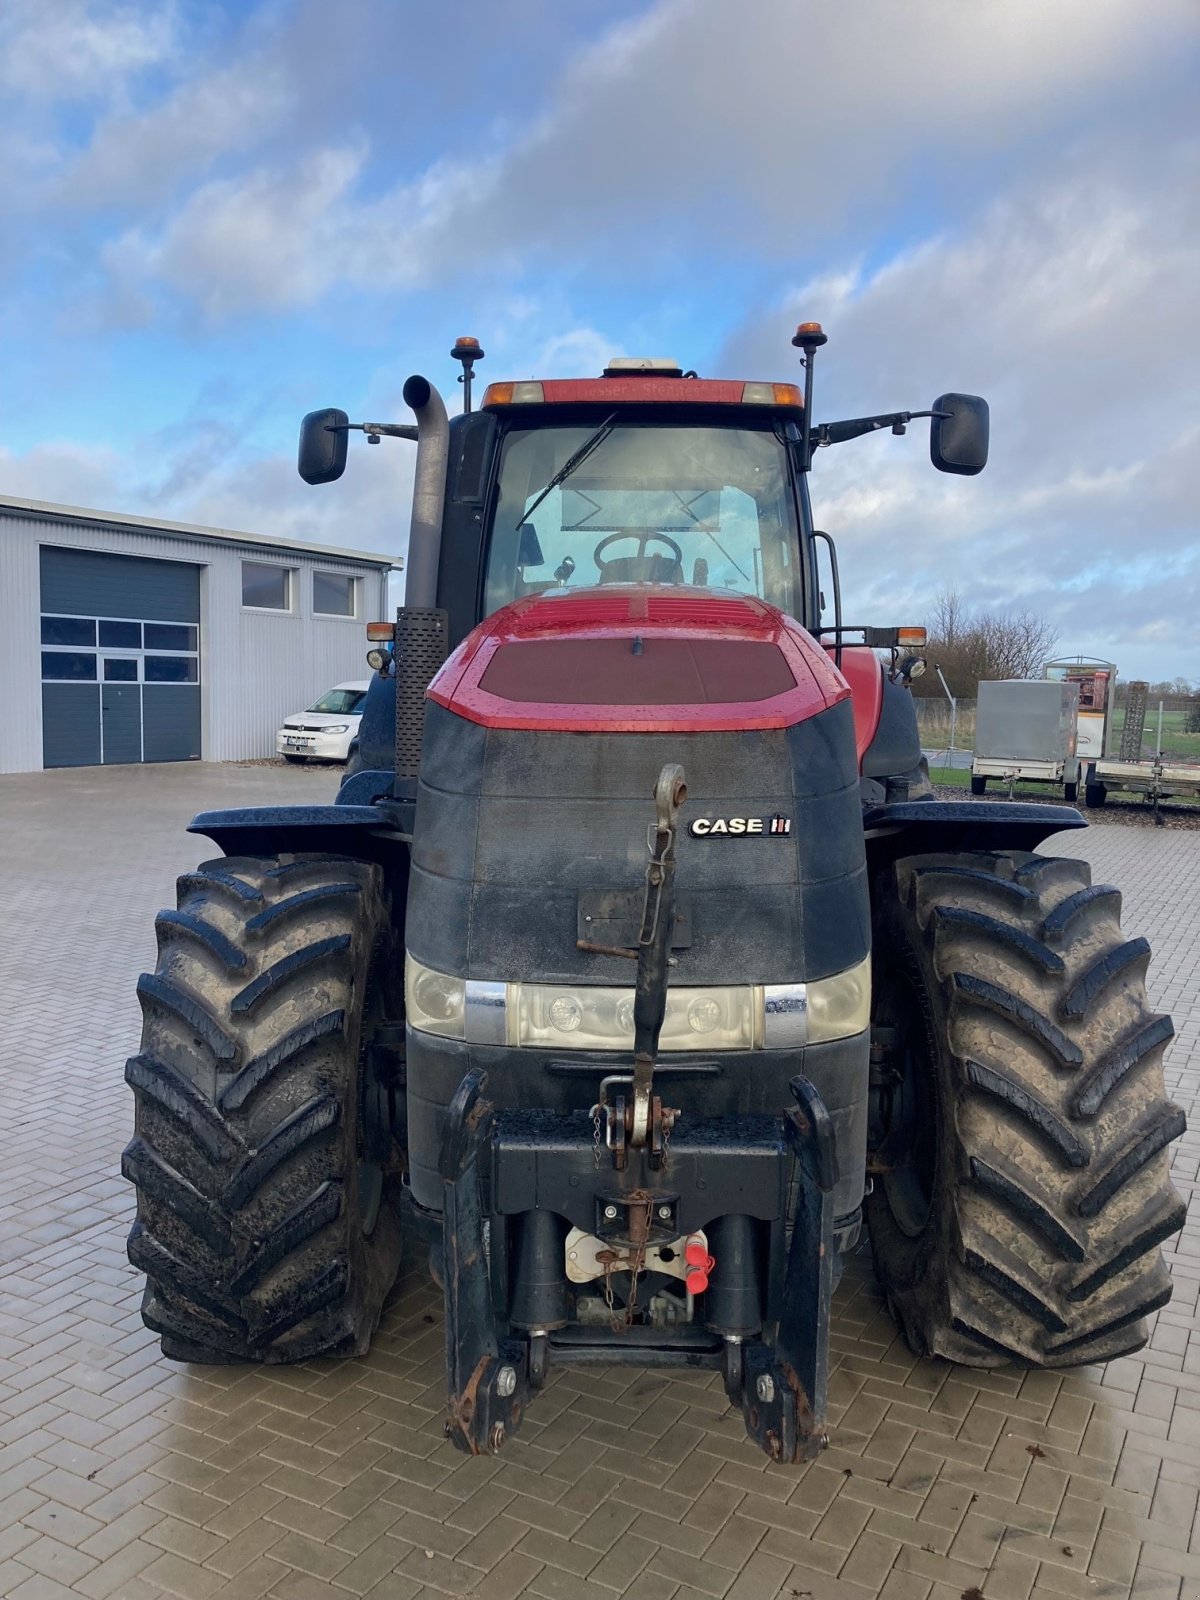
(487, 1378)
(782, 1392)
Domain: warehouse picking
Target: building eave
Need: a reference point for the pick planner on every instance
(46, 511)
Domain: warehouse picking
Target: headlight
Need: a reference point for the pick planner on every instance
(337, 727)
(592, 1018)
(840, 1006)
(777, 1016)
(435, 1002)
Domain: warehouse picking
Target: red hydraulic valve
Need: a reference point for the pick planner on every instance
(699, 1266)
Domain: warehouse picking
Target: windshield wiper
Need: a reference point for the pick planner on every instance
(573, 461)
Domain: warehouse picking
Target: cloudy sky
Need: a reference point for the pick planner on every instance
(214, 217)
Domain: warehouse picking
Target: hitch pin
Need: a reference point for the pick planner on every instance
(595, 949)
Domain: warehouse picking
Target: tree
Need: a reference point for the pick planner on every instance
(970, 645)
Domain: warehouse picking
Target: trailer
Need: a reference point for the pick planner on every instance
(1025, 731)
(1104, 763)
(1096, 682)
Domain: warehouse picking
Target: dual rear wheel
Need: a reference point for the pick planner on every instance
(1020, 1167)
(263, 1154)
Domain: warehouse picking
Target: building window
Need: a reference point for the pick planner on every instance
(69, 631)
(266, 588)
(170, 636)
(78, 650)
(120, 636)
(169, 669)
(334, 595)
(68, 666)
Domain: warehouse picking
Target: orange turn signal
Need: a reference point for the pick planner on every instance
(910, 636)
(381, 630)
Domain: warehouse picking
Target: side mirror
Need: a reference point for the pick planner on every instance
(323, 444)
(958, 439)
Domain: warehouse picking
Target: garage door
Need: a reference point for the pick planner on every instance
(120, 659)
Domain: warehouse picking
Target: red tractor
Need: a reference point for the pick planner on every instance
(636, 966)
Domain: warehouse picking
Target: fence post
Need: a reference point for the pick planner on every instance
(953, 718)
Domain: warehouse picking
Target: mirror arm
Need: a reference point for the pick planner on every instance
(828, 433)
(374, 430)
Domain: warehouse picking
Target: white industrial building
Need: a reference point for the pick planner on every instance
(123, 639)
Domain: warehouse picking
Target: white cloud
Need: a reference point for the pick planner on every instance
(1067, 301)
(266, 239)
(81, 50)
(136, 158)
(685, 128)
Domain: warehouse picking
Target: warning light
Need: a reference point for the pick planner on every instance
(466, 346)
(809, 335)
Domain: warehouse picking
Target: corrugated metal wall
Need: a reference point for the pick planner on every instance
(255, 667)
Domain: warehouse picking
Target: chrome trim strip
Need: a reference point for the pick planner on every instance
(485, 1012)
(785, 1016)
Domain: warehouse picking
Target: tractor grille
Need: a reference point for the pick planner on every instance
(421, 638)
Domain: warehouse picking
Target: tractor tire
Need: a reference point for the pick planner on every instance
(978, 784)
(1094, 795)
(267, 1177)
(1021, 1182)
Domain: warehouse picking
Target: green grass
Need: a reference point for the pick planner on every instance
(1176, 740)
(997, 789)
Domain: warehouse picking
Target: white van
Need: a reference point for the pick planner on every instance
(324, 731)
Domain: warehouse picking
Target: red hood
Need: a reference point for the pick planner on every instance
(640, 659)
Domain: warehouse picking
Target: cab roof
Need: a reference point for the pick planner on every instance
(643, 386)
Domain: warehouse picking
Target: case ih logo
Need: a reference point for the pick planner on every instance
(739, 827)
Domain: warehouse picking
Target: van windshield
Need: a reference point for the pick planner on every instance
(340, 702)
(669, 505)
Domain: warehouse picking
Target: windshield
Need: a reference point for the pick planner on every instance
(340, 702)
(647, 504)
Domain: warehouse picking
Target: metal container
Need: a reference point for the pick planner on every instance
(1021, 720)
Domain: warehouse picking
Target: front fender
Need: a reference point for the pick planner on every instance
(370, 833)
(921, 825)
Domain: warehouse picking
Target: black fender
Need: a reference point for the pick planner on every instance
(365, 787)
(915, 826)
(368, 832)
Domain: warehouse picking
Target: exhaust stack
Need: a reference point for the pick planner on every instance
(429, 492)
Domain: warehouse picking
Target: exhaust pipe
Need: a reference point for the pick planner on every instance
(429, 492)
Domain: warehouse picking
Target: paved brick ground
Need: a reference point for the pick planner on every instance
(123, 1476)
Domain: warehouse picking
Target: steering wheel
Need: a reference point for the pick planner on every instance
(633, 569)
